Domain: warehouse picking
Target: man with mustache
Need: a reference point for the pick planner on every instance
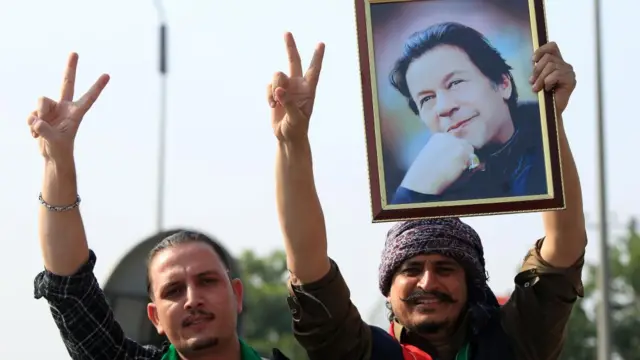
(484, 143)
(432, 272)
(194, 300)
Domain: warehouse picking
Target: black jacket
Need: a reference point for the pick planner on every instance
(515, 169)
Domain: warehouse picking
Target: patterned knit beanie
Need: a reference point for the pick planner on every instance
(449, 237)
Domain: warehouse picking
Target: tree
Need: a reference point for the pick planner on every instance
(267, 320)
(580, 343)
(625, 270)
(625, 304)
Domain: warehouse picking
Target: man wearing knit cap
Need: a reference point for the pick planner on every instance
(432, 272)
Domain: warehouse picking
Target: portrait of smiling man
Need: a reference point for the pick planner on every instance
(484, 143)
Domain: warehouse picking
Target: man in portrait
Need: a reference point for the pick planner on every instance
(484, 143)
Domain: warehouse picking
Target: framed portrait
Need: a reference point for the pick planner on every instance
(453, 127)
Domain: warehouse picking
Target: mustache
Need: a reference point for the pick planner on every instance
(197, 314)
(421, 295)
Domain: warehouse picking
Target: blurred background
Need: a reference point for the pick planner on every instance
(217, 172)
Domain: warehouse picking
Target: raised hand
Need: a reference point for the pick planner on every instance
(291, 97)
(551, 72)
(55, 124)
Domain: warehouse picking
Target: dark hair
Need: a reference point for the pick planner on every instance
(184, 237)
(484, 56)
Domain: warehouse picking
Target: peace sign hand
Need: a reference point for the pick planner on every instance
(291, 97)
(55, 124)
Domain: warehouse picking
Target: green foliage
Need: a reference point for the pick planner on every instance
(625, 304)
(267, 320)
(581, 336)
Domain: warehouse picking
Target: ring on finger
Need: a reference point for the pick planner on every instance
(474, 161)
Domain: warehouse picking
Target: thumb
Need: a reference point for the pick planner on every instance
(290, 106)
(43, 129)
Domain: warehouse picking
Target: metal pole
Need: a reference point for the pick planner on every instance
(604, 308)
(162, 126)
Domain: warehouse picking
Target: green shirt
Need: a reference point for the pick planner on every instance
(246, 353)
(463, 354)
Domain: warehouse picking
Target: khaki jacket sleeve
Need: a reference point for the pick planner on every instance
(325, 321)
(538, 311)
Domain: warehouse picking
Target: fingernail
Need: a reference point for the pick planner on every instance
(531, 80)
(272, 103)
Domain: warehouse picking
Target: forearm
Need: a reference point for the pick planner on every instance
(300, 213)
(62, 237)
(83, 315)
(565, 234)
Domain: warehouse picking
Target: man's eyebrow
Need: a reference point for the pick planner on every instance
(409, 263)
(172, 281)
(439, 262)
(165, 286)
(445, 262)
(209, 272)
(444, 80)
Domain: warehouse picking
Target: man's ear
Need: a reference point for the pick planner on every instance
(238, 291)
(152, 314)
(505, 87)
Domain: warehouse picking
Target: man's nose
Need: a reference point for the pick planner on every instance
(428, 281)
(194, 299)
(445, 104)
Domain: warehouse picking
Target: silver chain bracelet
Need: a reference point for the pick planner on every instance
(59, 208)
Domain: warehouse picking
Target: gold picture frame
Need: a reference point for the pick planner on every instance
(520, 174)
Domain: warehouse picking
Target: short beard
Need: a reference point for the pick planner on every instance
(199, 345)
(428, 327)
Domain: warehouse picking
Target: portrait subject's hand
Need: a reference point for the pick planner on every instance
(291, 97)
(55, 124)
(551, 72)
(439, 164)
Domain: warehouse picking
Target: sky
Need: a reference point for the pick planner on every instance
(220, 149)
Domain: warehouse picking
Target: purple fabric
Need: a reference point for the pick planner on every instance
(449, 237)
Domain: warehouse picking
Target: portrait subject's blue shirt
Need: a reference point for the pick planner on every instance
(517, 169)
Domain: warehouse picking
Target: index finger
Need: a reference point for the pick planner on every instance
(313, 73)
(69, 80)
(295, 64)
(548, 48)
(90, 97)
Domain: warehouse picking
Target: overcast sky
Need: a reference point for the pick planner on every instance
(220, 144)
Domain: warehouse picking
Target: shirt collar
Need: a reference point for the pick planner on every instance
(447, 351)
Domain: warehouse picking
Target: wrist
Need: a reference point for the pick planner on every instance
(421, 184)
(423, 190)
(65, 164)
(295, 146)
(59, 186)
